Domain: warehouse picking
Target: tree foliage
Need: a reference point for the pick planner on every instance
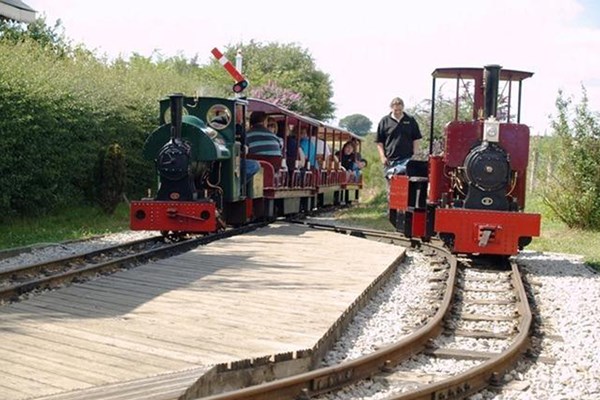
(445, 110)
(357, 123)
(51, 38)
(275, 94)
(572, 186)
(286, 66)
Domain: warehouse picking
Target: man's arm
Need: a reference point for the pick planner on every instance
(416, 138)
(381, 151)
(416, 146)
(380, 140)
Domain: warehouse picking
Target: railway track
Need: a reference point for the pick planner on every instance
(460, 283)
(21, 280)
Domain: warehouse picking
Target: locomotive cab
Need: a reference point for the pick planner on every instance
(476, 186)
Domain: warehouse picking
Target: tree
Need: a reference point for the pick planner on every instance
(445, 110)
(112, 176)
(572, 186)
(275, 94)
(286, 66)
(39, 31)
(357, 123)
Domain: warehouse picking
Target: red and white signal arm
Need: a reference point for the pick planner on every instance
(241, 82)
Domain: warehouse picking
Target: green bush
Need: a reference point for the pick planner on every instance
(111, 178)
(58, 112)
(571, 177)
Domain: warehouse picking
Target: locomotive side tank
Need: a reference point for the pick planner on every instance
(473, 194)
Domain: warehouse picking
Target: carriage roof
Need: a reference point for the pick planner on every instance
(323, 128)
(475, 73)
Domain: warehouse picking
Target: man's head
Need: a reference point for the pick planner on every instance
(258, 118)
(397, 105)
(272, 126)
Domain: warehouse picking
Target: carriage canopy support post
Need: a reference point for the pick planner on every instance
(431, 133)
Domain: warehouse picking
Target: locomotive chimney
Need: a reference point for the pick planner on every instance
(176, 115)
(492, 79)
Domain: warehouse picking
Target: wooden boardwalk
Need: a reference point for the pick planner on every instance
(273, 290)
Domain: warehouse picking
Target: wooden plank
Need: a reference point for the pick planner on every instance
(48, 378)
(119, 339)
(462, 354)
(489, 290)
(160, 335)
(164, 386)
(11, 393)
(488, 302)
(482, 334)
(482, 317)
(24, 385)
(79, 344)
(20, 349)
(115, 366)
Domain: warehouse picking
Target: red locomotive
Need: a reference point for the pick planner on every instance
(472, 195)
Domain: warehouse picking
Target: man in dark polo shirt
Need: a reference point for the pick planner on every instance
(398, 138)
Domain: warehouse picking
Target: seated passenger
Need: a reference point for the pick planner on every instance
(272, 126)
(260, 140)
(294, 153)
(323, 152)
(252, 167)
(351, 160)
(316, 149)
(307, 147)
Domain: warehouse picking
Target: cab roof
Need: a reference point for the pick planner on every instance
(474, 73)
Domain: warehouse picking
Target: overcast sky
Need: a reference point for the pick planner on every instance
(373, 50)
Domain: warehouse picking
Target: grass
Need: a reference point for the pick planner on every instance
(69, 224)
